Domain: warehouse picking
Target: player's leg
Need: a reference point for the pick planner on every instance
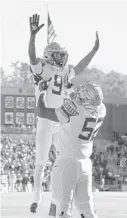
(43, 143)
(52, 208)
(64, 179)
(83, 193)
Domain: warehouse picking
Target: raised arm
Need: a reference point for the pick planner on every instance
(87, 59)
(34, 28)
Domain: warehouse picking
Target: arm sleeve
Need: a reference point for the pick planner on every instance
(52, 114)
(43, 112)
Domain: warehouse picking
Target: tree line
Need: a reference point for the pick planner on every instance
(112, 82)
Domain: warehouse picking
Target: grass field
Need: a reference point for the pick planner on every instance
(108, 205)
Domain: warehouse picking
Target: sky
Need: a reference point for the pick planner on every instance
(75, 23)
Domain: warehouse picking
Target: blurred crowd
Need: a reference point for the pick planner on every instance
(18, 129)
(18, 163)
(110, 165)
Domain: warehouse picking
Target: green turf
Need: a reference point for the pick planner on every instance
(108, 205)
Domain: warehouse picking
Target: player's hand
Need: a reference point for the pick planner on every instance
(34, 24)
(97, 43)
(69, 108)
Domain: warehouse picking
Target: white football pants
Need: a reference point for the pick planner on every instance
(72, 181)
(43, 144)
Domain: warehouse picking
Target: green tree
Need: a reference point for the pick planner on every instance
(25, 74)
(115, 83)
(111, 83)
(21, 74)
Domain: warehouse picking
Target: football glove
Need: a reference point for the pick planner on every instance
(97, 43)
(69, 108)
(34, 24)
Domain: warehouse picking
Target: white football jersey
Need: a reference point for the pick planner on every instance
(55, 92)
(76, 137)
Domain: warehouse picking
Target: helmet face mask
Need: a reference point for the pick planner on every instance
(55, 55)
(60, 58)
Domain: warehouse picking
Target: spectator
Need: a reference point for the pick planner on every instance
(25, 180)
(18, 158)
(18, 183)
(12, 181)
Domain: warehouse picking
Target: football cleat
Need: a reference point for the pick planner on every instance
(52, 210)
(82, 216)
(33, 207)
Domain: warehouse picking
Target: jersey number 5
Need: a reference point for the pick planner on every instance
(90, 131)
(57, 85)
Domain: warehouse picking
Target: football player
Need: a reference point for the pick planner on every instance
(80, 117)
(51, 76)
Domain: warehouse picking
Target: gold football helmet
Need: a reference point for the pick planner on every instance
(88, 94)
(55, 55)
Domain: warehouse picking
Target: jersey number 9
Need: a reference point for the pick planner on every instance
(57, 85)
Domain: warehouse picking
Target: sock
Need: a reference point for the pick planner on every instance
(52, 210)
(37, 183)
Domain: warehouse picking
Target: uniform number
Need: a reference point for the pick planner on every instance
(88, 133)
(57, 85)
